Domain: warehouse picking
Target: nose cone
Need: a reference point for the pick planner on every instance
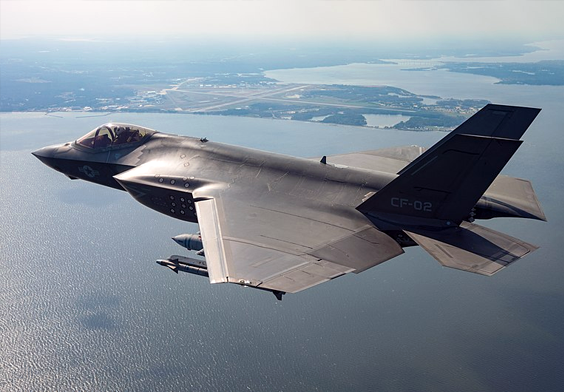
(47, 156)
(180, 240)
(189, 241)
(45, 152)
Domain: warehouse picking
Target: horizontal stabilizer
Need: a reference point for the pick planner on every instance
(509, 196)
(472, 248)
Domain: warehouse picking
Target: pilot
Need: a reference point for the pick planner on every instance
(122, 135)
(102, 141)
(135, 136)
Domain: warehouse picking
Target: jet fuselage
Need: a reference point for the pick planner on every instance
(160, 171)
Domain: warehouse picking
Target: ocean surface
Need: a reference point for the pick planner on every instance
(84, 306)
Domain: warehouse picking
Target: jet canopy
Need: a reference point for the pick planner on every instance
(115, 135)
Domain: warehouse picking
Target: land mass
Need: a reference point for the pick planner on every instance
(542, 73)
(239, 94)
(96, 76)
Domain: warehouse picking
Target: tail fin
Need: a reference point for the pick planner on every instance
(446, 182)
(499, 121)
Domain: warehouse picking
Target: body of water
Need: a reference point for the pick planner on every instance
(84, 306)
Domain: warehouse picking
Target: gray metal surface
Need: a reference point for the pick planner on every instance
(473, 248)
(283, 224)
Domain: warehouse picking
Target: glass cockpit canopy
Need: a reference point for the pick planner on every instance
(115, 135)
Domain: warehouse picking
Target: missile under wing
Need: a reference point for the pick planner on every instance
(283, 224)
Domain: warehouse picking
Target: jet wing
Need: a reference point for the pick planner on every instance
(280, 243)
(389, 160)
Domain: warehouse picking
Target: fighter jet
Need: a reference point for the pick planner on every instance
(284, 224)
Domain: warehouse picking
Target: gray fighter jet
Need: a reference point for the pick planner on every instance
(284, 224)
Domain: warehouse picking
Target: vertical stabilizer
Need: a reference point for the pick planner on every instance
(500, 121)
(446, 182)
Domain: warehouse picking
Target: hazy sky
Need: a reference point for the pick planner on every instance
(377, 19)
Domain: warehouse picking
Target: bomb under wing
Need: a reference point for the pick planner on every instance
(185, 264)
(284, 224)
